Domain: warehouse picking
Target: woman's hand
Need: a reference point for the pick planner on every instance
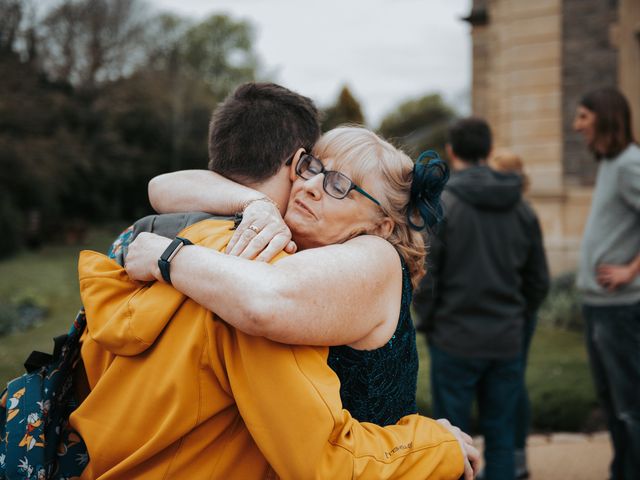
(142, 258)
(471, 453)
(262, 234)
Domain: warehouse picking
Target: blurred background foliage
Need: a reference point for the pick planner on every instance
(346, 110)
(419, 125)
(98, 96)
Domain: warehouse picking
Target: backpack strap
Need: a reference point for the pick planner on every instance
(37, 360)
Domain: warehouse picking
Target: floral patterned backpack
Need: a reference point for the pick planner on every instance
(36, 442)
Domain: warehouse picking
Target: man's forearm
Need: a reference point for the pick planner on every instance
(535, 273)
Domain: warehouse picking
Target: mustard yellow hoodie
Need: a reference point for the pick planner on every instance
(179, 394)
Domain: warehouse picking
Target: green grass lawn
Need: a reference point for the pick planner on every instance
(50, 277)
(558, 376)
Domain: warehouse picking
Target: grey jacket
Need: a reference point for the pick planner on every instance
(486, 268)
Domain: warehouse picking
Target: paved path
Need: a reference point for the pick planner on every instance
(564, 456)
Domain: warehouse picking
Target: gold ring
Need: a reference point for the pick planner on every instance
(254, 228)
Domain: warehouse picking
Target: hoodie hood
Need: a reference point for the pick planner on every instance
(485, 188)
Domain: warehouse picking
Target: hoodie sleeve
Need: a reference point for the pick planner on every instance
(426, 295)
(535, 272)
(290, 401)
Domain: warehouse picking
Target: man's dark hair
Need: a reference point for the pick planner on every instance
(613, 132)
(470, 139)
(257, 128)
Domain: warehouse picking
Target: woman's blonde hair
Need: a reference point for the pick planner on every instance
(508, 162)
(365, 154)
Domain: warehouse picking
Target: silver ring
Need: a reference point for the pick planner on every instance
(254, 228)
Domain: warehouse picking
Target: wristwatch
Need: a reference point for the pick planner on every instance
(164, 262)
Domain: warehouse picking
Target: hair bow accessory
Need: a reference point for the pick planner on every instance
(430, 175)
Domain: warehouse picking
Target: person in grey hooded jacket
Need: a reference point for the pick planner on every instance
(486, 274)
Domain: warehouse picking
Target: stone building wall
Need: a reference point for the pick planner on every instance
(626, 37)
(590, 60)
(517, 80)
(532, 62)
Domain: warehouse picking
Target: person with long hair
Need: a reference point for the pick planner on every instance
(609, 271)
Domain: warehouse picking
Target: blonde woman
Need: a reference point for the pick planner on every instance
(363, 202)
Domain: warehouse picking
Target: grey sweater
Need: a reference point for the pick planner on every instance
(612, 234)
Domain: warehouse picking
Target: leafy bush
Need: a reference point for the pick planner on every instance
(565, 404)
(558, 380)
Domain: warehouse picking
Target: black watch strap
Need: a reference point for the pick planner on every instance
(164, 262)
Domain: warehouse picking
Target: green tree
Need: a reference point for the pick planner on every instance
(142, 135)
(42, 143)
(418, 125)
(346, 110)
(220, 52)
(90, 42)
(83, 129)
(11, 13)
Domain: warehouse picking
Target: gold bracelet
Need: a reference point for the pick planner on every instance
(261, 199)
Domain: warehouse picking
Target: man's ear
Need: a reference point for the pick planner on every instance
(449, 151)
(294, 163)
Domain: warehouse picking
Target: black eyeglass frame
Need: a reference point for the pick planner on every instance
(327, 175)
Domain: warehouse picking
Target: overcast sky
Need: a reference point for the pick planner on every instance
(386, 51)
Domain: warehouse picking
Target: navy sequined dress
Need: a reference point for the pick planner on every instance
(379, 386)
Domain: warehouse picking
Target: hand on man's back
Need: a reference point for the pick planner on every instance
(262, 234)
(470, 453)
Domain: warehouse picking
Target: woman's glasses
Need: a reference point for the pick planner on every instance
(336, 184)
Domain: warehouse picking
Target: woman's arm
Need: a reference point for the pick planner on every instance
(198, 190)
(340, 294)
(206, 191)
